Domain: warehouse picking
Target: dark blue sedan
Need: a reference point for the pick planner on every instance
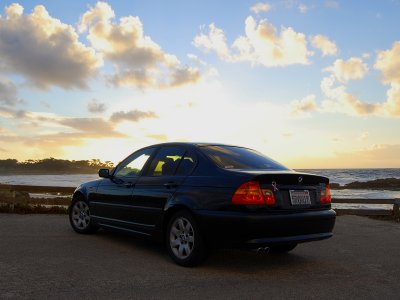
(194, 196)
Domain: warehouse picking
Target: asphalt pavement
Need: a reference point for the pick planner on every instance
(42, 258)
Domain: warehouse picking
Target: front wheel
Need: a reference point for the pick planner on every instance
(184, 242)
(79, 216)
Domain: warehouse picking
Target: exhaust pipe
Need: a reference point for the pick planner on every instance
(263, 250)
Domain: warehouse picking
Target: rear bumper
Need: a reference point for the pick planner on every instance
(269, 228)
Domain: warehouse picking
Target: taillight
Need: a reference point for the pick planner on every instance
(251, 193)
(325, 196)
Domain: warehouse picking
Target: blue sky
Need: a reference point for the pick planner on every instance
(309, 83)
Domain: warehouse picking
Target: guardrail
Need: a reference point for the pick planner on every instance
(395, 212)
(21, 189)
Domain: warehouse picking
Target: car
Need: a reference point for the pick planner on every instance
(197, 196)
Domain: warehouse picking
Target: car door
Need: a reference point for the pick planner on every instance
(112, 201)
(165, 174)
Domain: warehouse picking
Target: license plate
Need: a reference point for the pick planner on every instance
(300, 197)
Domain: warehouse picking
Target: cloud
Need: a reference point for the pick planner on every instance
(339, 100)
(215, 41)
(388, 62)
(132, 116)
(93, 127)
(303, 8)
(12, 113)
(323, 43)
(304, 106)
(364, 136)
(96, 107)
(332, 4)
(137, 59)
(44, 50)
(392, 105)
(261, 45)
(352, 69)
(8, 92)
(158, 137)
(260, 7)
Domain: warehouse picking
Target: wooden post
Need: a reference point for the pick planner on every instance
(396, 209)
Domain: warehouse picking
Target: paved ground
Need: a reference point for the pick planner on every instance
(42, 258)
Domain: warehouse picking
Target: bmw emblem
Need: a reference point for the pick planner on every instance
(300, 179)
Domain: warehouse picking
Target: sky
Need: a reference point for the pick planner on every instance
(312, 84)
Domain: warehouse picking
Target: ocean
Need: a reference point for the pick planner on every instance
(341, 176)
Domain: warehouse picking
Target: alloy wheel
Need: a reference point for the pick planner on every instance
(181, 238)
(80, 215)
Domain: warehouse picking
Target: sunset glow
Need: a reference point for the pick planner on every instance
(312, 84)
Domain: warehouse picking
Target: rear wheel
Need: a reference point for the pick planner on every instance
(184, 242)
(281, 249)
(79, 216)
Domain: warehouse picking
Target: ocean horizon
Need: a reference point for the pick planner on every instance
(340, 176)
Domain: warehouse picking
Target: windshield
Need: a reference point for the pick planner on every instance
(229, 157)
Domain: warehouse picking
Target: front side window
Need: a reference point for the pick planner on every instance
(229, 157)
(166, 161)
(134, 164)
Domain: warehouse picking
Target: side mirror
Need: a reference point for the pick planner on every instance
(104, 173)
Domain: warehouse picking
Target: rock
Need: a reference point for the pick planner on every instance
(387, 183)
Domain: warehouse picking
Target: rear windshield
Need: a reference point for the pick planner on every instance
(228, 157)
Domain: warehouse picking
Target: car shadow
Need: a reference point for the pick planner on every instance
(220, 260)
(249, 261)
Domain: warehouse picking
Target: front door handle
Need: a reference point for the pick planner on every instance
(129, 184)
(170, 184)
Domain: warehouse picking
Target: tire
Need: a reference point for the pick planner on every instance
(79, 216)
(183, 240)
(282, 249)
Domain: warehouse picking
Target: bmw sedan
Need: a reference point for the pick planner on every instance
(194, 196)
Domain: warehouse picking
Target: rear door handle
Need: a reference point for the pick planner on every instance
(170, 184)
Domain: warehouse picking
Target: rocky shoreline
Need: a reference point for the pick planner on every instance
(392, 184)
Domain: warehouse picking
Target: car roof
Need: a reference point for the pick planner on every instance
(195, 144)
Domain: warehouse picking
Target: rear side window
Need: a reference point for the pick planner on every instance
(166, 162)
(228, 157)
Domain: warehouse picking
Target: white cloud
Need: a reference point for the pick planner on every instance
(44, 50)
(364, 136)
(332, 4)
(260, 7)
(339, 100)
(352, 69)
(215, 41)
(392, 104)
(388, 62)
(304, 105)
(261, 45)
(138, 60)
(303, 8)
(324, 44)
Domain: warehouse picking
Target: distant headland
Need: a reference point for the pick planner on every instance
(52, 166)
